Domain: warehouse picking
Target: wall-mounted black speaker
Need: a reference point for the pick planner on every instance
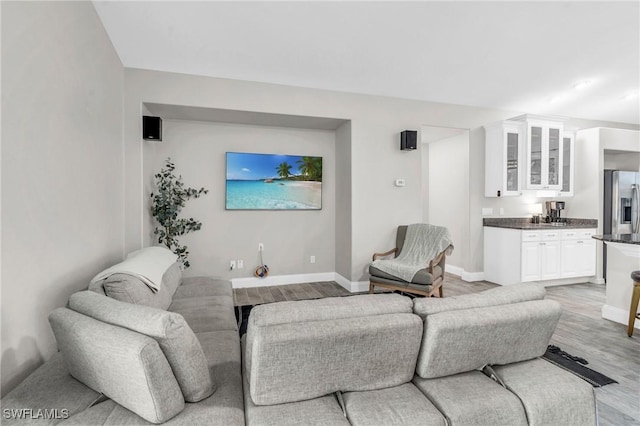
(408, 140)
(151, 128)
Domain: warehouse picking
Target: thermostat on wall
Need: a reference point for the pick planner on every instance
(400, 182)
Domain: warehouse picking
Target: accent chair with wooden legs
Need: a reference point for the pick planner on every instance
(426, 281)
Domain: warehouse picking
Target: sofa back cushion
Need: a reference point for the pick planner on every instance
(503, 295)
(303, 350)
(126, 366)
(176, 339)
(131, 289)
(464, 340)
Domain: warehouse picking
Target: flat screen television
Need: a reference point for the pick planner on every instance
(273, 182)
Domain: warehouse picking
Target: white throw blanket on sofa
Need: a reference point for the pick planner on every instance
(422, 244)
(148, 264)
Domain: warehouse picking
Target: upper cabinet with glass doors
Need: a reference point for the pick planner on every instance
(568, 154)
(544, 152)
(528, 154)
(503, 159)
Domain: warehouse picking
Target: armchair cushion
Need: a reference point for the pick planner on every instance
(422, 277)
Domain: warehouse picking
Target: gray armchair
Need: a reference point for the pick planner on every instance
(426, 282)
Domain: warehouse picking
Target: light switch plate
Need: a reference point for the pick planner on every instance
(400, 182)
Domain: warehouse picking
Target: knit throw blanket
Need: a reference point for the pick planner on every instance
(148, 265)
(422, 244)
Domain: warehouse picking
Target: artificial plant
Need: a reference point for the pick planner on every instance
(166, 205)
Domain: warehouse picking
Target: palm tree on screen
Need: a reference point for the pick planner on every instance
(283, 170)
(311, 167)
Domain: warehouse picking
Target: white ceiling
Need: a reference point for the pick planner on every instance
(523, 56)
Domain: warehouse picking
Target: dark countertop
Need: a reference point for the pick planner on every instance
(526, 224)
(619, 238)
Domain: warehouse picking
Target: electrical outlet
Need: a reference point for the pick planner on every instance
(240, 263)
(232, 265)
(487, 211)
(501, 211)
(260, 247)
(312, 259)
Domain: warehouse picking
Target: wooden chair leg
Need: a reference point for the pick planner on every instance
(440, 291)
(633, 312)
(370, 287)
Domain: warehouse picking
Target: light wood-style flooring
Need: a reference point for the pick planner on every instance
(581, 331)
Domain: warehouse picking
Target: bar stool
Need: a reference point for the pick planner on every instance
(633, 312)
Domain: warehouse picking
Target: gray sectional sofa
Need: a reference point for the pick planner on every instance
(380, 359)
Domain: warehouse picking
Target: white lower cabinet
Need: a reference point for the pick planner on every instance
(578, 256)
(540, 255)
(530, 261)
(512, 255)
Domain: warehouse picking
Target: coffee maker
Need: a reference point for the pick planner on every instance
(553, 212)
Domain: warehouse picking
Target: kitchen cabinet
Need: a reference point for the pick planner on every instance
(578, 253)
(568, 161)
(540, 255)
(527, 154)
(544, 151)
(513, 255)
(503, 159)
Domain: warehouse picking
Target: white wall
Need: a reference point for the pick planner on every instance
(62, 170)
(448, 188)
(615, 161)
(376, 206)
(343, 201)
(290, 237)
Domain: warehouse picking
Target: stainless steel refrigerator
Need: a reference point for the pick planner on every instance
(621, 209)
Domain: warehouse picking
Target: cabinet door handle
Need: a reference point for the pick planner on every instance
(580, 242)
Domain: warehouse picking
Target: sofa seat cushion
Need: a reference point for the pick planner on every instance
(203, 318)
(465, 340)
(305, 360)
(126, 366)
(473, 399)
(203, 286)
(323, 411)
(400, 405)
(503, 295)
(50, 387)
(200, 301)
(550, 395)
(177, 341)
(422, 277)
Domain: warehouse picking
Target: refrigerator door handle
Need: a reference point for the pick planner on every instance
(635, 210)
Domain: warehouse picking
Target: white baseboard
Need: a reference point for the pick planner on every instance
(596, 280)
(282, 279)
(618, 315)
(352, 286)
(464, 275)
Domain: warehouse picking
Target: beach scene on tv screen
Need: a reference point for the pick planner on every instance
(273, 182)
